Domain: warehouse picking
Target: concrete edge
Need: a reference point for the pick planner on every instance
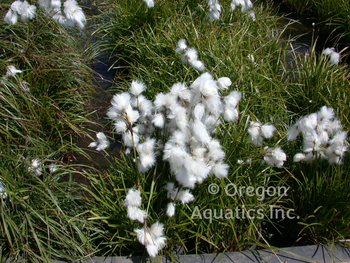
(303, 254)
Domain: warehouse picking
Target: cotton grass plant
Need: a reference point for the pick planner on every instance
(45, 82)
(320, 83)
(156, 49)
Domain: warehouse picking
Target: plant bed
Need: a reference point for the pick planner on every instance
(250, 51)
(229, 137)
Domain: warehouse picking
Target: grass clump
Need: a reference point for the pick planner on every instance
(55, 77)
(278, 86)
(45, 83)
(319, 191)
(42, 217)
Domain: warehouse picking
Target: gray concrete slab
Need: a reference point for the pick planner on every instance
(305, 254)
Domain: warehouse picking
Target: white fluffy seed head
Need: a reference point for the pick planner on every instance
(102, 142)
(339, 139)
(113, 113)
(198, 111)
(214, 105)
(152, 248)
(147, 157)
(186, 95)
(191, 54)
(247, 5)
(146, 161)
(335, 58)
(55, 4)
(209, 89)
(197, 64)
(131, 115)
(215, 152)
(293, 133)
(185, 196)
(133, 198)
(230, 114)
(211, 121)
(198, 153)
(175, 154)
(135, 213)
(220, 169)
(101, 136)
(11, 17)
(147, 146)
(328, 51)
(235, 3)
(129, 140)
(137, 87)
(198, 168)
(157, 229)
(214, 11)
(27, 11)
(35, 167)
(3, 193)
(323, 137)
(254, 128)
(162, 101)
(74, 13)
(159, 120)
(171, 190)
(251, 58)
(325, 113)
(181, 118)
(16, 6)
(177, 88)
(334, 127)
(267, 130)
(12, 71)
(251, 14)
(170, 210)
(185, 178)
(311, 142)
(279, 155)
(275, 156)
(120, 126)
(198, 82)
(121, 102)
(181, 46)
(255, 133)
(200, 132)
(145, 105)
(149, 3)
(178, 138)
(224, 83)
(298, 157)
(308, 123)
(233, 98)
(143, 235)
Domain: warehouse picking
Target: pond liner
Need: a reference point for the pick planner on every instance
(303, 254)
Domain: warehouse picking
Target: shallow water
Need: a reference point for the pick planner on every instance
(105, 82)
